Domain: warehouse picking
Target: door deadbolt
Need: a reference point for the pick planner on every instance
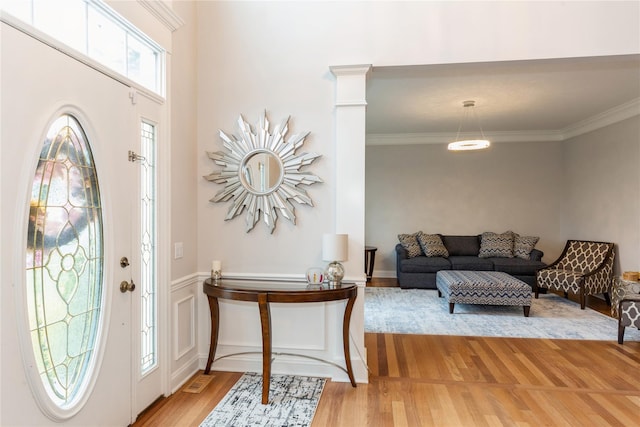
(126, 286)
(124, 262)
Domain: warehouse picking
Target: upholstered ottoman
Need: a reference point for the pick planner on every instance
(483, 287)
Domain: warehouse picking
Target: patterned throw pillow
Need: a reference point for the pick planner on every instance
(432, 245)
(496, 245)
(523, 245)
(410, 243)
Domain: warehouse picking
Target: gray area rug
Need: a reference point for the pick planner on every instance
(420, 311)
(292, 402)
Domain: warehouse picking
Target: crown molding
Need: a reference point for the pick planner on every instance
(606, 118)
(163, 13)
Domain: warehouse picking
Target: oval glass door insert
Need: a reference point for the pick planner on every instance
(64, 263)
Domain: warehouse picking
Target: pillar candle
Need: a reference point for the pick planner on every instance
(216, 265)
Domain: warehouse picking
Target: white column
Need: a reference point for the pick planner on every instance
(351, 106)
(350, 155)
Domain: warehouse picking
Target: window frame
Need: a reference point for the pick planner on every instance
(158, 94)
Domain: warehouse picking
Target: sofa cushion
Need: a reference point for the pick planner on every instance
(496, 245)
(462, 245)
(523, 245)
(432, 245)
(423, 264)
(517, 266)
(472, 263)
(410, 243)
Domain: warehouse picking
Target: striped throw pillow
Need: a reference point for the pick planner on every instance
(410, 243)
(496, 245)
(523, 245)
(432, 245)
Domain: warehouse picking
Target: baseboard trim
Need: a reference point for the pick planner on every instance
(385, 274)
(291, 365)
(184, 373)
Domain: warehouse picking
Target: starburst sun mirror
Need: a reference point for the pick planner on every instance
(261, 172)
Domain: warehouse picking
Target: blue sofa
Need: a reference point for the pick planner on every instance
(420, 271)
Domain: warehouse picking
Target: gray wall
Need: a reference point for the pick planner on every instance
(587, 187)
(511, 186)
(602, 189)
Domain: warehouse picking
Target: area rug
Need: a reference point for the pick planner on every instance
(292, 402)
(420, 311)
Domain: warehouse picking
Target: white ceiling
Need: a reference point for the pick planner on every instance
(517, 100)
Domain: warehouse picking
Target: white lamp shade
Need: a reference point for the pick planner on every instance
(335, 247)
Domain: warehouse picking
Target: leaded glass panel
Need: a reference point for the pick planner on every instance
(148, 300)
(64, 262)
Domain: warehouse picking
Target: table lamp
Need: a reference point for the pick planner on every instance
(334, 249)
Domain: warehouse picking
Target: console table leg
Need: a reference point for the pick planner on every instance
(345, 337)
(215, 321)
(265, 320)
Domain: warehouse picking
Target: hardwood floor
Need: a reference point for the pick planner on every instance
(430, 380)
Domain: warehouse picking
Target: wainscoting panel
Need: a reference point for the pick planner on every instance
(185, 329)
(185, 325)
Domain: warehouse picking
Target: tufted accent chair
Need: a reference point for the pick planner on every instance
(583, 268)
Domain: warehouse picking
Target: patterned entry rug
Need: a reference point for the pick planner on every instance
(292, 402)
(420, 311)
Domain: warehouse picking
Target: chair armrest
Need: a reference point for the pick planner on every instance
(622, 291)
(606, 265)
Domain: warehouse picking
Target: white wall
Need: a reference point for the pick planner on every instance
(510, 186)
(602, 189)
(187, 337)
(184, 174)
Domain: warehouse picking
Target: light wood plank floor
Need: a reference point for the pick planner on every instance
(425, 380)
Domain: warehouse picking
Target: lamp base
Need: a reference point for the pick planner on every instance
(334, 274)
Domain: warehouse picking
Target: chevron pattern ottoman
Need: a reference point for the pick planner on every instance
(483, 287)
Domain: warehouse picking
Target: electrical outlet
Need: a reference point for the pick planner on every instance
(178, 250)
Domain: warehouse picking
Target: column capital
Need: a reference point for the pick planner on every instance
(350, 70)
(350, 84)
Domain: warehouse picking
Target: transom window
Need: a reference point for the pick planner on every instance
(95, 30)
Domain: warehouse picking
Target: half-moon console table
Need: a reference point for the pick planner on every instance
(267, 292)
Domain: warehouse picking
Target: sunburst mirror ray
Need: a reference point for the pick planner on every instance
(261, 172)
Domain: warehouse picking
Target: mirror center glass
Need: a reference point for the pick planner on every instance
(261, 172)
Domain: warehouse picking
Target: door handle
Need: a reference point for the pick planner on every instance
(126, 286)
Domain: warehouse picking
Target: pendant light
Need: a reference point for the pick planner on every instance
(469, 144)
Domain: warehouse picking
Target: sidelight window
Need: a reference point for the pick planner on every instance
(148, 249)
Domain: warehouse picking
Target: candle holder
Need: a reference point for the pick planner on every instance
(216, 275)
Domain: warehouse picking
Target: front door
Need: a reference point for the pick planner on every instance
(38, 85)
